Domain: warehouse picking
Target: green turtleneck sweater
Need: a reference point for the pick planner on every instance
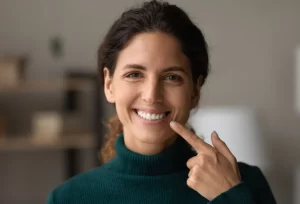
(134, 178)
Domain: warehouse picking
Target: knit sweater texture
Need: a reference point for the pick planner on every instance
(132, 178)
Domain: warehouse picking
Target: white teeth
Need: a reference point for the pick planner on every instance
(153, 117)
(149, 116)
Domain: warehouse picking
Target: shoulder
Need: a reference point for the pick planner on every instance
(76, 186)
(253, 189)
(253, 177)
(247, 168)
(249, 171)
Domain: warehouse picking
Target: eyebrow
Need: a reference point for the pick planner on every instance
(169, 69)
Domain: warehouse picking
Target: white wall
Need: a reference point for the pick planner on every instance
(251, 44)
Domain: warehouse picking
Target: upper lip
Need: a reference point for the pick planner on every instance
(153, 111)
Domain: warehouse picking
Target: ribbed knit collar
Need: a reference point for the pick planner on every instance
(171, 160)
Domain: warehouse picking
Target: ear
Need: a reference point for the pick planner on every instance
(108, 89)
(196, 94)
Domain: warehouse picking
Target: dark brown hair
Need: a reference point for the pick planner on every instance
(153, 16)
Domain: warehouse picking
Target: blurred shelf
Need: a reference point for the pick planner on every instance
(80, 141)
(48, 85)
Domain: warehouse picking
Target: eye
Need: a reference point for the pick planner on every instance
(174, 78)
(134, 75)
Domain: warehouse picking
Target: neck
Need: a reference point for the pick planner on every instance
(171, 160)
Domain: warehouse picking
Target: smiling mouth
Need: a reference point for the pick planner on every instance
(151, 116)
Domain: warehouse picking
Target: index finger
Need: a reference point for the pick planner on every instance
(190, 137)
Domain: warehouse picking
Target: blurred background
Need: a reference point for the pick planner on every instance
(52, 108)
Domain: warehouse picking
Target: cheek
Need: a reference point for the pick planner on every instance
(180, 101)
(180, 98)
(124, 97)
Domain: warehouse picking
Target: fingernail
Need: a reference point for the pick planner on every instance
(172, 124)
(216, 134)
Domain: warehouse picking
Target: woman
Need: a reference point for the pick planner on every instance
(154, 61)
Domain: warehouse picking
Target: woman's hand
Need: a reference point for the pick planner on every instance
(214, 170)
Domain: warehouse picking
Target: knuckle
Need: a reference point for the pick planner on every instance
(191, 162)
(191, 183)
(210, 152)
(196, 169)
(190, 174)
(192, 137)
(188, 163)
(202, 161)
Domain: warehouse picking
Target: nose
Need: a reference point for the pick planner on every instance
(152, 92)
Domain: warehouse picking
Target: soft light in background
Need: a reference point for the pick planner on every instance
(252, 48)
(239, 128)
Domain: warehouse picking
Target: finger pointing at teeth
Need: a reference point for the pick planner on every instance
(197, 143)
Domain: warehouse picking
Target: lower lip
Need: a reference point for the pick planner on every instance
(152, 122)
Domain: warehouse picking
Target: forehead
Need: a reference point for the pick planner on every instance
(153, 50)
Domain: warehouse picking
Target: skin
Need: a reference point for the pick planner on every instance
(214, 170)
(153, 75)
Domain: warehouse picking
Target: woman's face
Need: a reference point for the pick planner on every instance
(152, 85)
